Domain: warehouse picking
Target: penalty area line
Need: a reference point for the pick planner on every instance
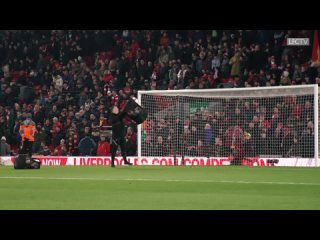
(158, 180)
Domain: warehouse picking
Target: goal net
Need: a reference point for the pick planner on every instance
(249, 126)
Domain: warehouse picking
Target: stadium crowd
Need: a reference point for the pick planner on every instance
(69, 79)
(281, 126)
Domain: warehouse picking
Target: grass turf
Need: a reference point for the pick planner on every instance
(160, 187)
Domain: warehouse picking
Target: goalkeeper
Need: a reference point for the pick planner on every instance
(118, 134)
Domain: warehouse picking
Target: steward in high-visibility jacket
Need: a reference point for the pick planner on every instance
(27, 131)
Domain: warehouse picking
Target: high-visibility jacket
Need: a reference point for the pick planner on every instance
(27, 131)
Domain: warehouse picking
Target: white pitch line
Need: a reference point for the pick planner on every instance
(161, 180)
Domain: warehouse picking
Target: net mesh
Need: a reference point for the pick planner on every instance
(229, 123)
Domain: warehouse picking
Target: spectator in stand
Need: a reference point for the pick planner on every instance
(57, 137)
(147, 146)
(103, 147)
(72, 141)
(208, 139)
(47, 132)
(87, 146)
(160, 147)
(201, 149)
(285, 79)
(54, 112)
(4, 147)
(235, 64)
(3, 126)
(39, 137)
(307, 141)
(219, 149)
(234, 138)
(44, 150)
(131, 142)
(61, 150)
(248, 150)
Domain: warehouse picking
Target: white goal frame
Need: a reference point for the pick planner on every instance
(229, 92)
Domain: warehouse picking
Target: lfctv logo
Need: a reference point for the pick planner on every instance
(298, 41)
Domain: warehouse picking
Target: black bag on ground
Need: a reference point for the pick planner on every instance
(135, 111)
(22, 161)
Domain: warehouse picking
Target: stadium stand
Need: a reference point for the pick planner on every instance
(68, 79)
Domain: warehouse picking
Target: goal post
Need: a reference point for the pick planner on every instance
(316, 124)
(270, 125)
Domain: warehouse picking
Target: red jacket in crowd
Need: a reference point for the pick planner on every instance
(103, 148)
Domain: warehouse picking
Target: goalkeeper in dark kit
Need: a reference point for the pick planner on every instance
(136, 113)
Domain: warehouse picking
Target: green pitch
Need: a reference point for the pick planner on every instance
(153, 187)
